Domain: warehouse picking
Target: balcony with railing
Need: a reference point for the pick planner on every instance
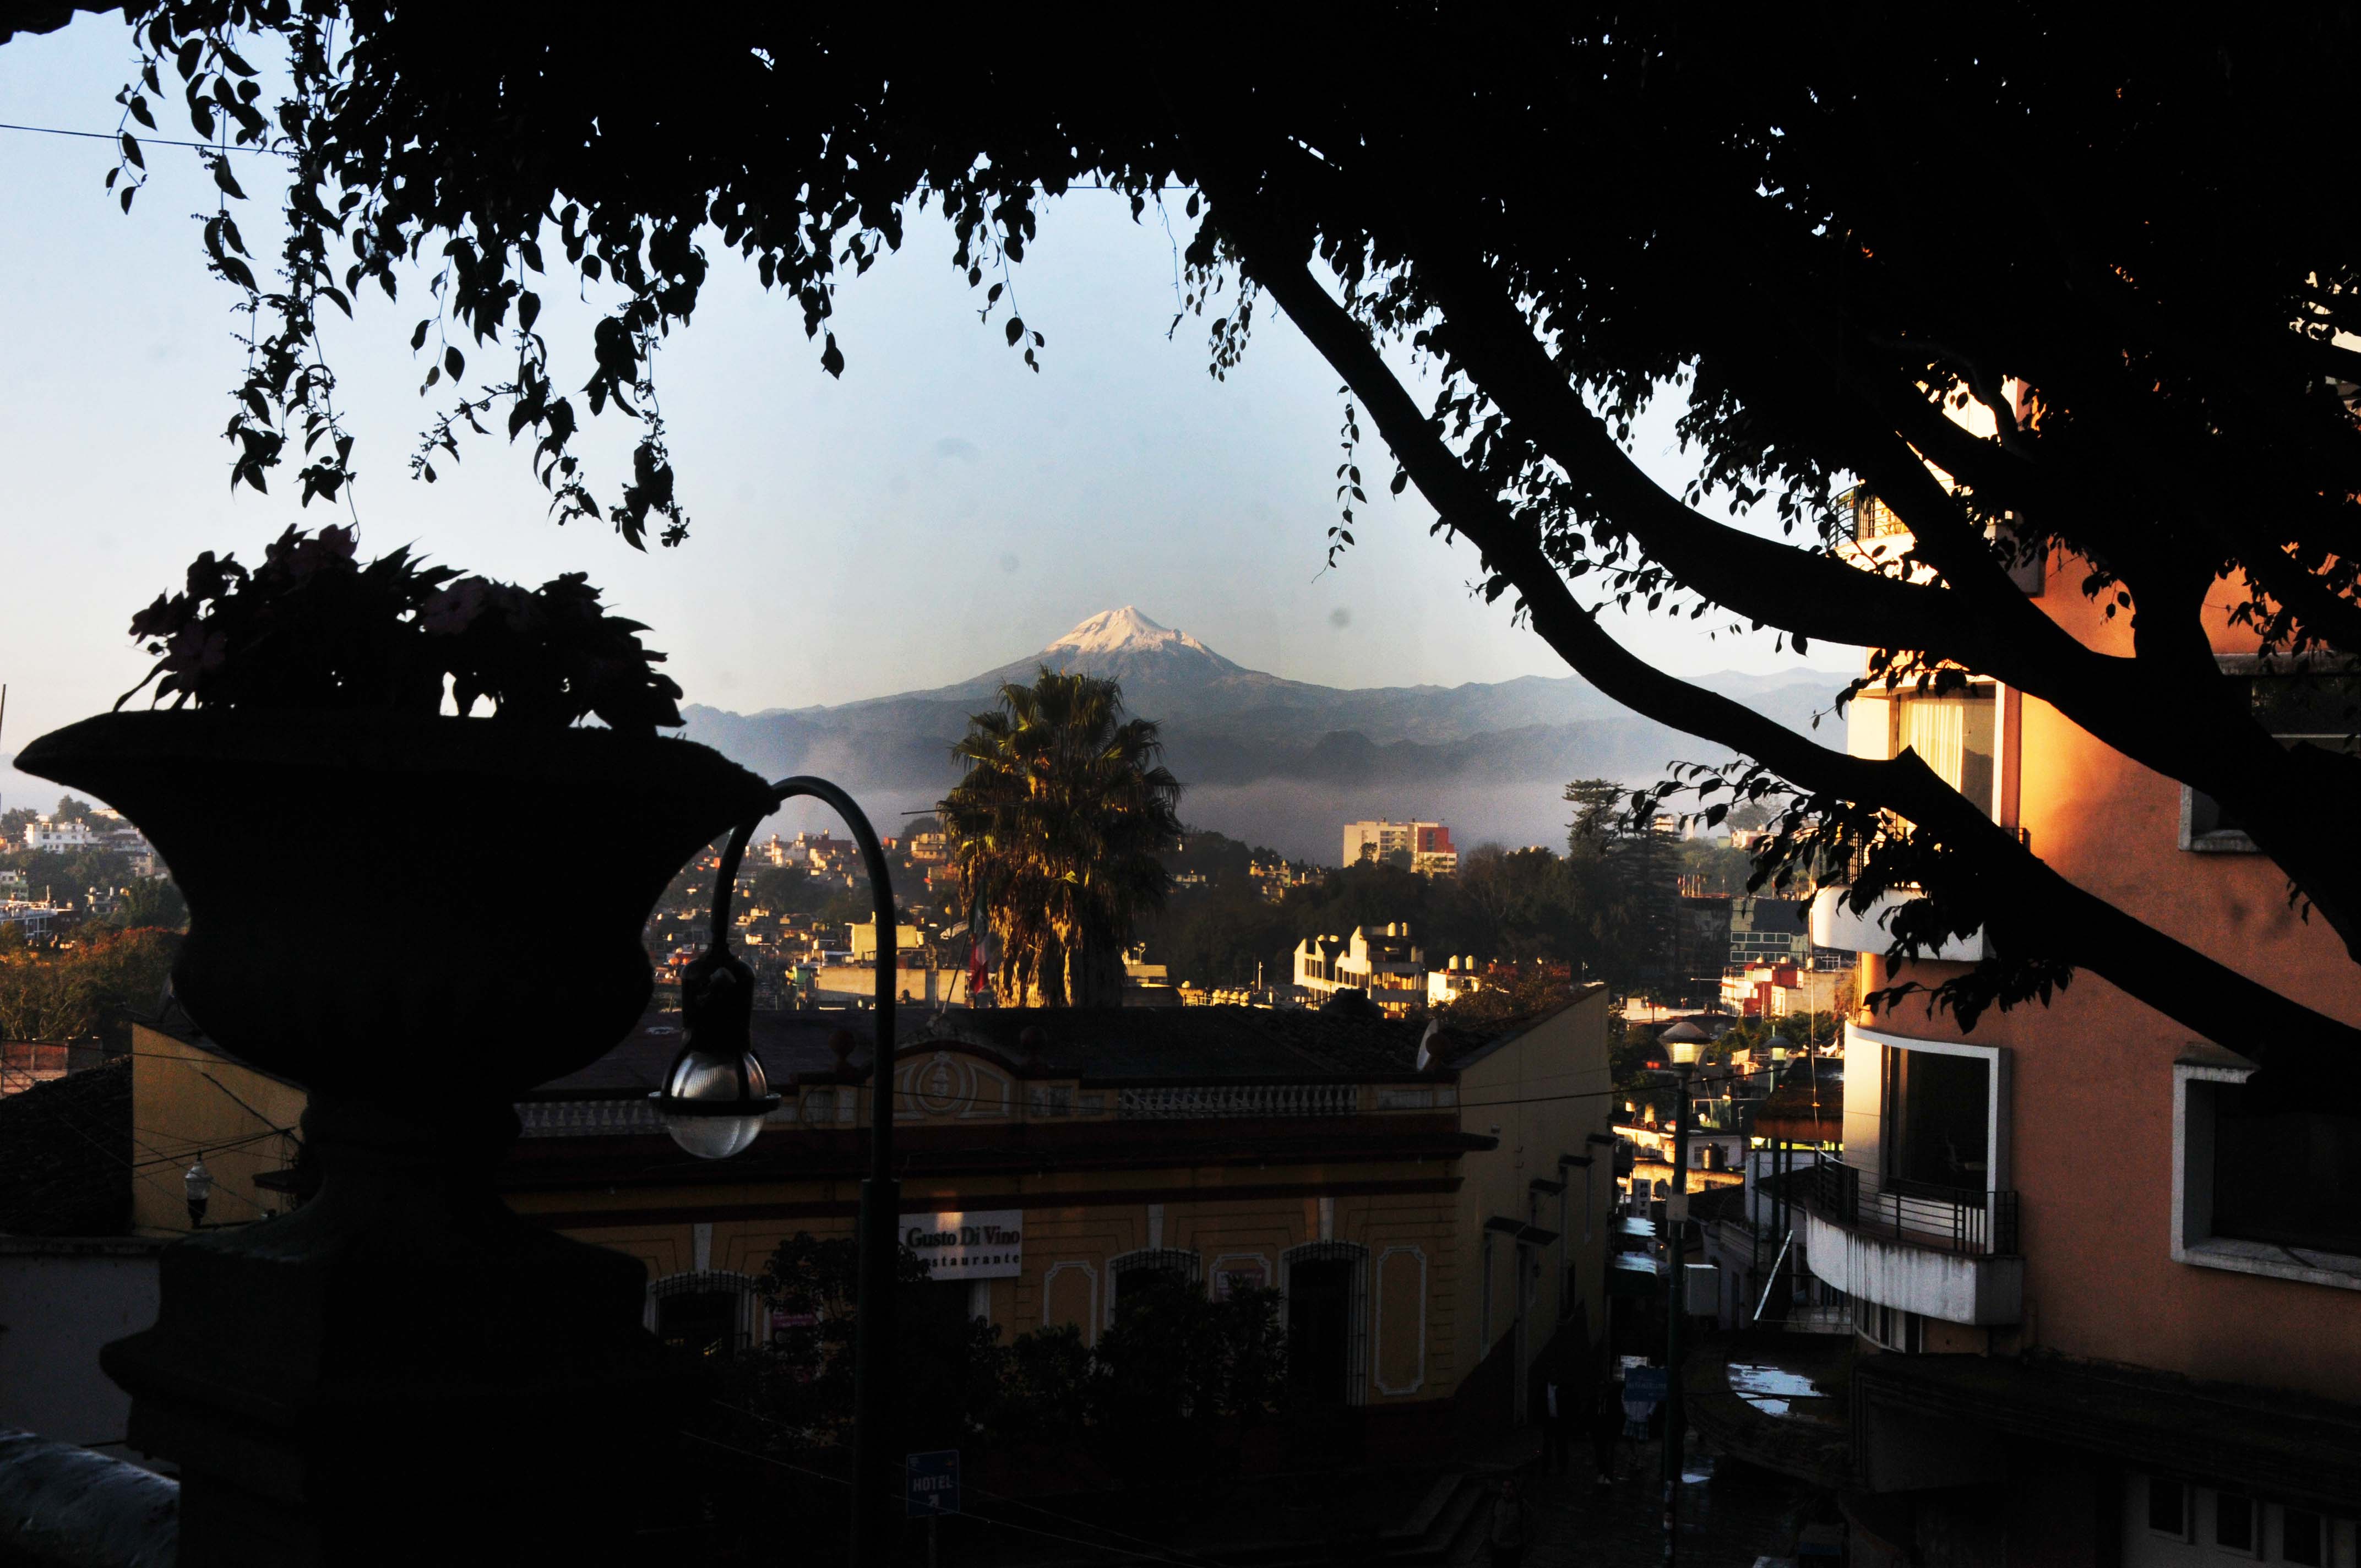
(1947, 1219)
(1940, 1252)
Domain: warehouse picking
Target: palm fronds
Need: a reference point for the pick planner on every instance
(1055, 831)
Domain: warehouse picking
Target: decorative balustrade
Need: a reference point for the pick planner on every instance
(1178, 1103)
(601, 1118)
(1187, 1102)
(586, 1118)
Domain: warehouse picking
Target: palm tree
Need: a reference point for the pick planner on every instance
(1055, 831)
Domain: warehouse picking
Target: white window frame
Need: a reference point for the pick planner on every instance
(2234, 841)
(2194, 1241)
(2220, 841)
(2330, 1554)
(1996, 1096)
(2187, 1533)
(2257, 1522)
(2000, 759)
(752, 1332)
(1188, 1261)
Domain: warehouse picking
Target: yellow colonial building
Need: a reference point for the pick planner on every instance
(1436, 1224)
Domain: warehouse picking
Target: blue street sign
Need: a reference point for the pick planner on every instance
(1649, 1383)
(934, 1484)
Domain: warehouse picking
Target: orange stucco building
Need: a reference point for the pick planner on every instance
(2108, 1297)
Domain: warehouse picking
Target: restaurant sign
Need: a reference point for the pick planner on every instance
(974, 1243)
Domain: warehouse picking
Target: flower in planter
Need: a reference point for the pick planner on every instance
(313, 627)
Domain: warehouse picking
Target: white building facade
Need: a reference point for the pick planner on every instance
(1382, 962)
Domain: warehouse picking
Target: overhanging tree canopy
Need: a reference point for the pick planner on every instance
(1825, 228)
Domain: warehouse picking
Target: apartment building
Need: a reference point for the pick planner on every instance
(1428, 845)
(60, 835)
(2107, 1292)
(1460, 976)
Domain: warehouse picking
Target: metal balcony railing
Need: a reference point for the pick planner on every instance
(1943, 1218)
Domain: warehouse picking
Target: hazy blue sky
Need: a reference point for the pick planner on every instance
(938, 511)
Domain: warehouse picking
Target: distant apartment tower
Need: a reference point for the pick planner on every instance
(1428, 845)
(1766, 930)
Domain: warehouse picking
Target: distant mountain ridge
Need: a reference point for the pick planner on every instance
(1271, 760)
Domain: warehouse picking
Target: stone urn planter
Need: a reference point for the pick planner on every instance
(417, 918)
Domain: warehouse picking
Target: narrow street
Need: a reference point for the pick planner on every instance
(1732, 1514)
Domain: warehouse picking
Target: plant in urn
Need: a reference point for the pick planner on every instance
(416, 915)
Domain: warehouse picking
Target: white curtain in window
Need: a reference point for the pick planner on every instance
(1936, 728)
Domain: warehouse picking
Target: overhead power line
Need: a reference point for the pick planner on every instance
(144, 140)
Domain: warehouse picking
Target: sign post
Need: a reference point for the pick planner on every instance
(933, 1491)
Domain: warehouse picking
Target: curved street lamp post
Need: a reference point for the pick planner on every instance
(716, 1097)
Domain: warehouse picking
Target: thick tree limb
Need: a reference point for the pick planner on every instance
(2046, 912)
(1762, 580)
(2168, 708)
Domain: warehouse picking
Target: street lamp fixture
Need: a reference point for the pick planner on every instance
(716, 1096)
(197, 1188)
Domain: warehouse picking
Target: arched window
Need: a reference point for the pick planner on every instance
(1327, 1289)
(1152, 1269)
(708, 1315)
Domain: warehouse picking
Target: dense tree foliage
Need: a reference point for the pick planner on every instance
(1162, 1395)
(2117, 248)
(1511, 991)
(791, 890)
(72, 878)
(1057, 829)
(83, 987)
(1712, 868)
(150, 901)
(1577, 913)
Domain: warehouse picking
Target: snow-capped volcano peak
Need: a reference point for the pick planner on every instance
(1126, 645)
(1123, 630)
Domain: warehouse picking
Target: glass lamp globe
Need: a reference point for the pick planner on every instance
(1684, 1041)
(715, 1095)
(714, 1105)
